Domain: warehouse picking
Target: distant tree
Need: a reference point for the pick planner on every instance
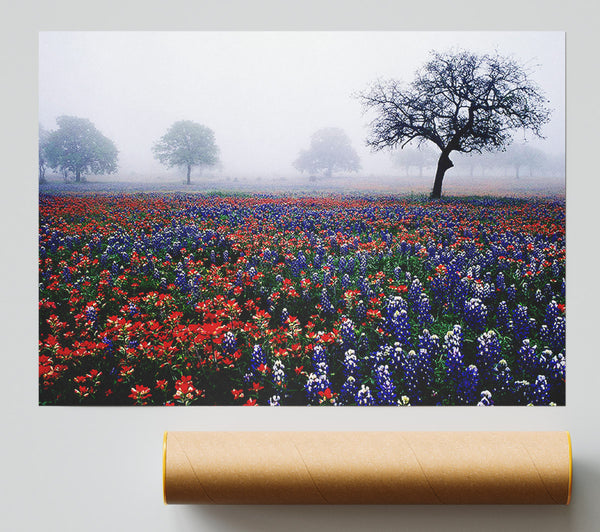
(330, 151)
(43, 136)
(78, 147)
(187, 144)
(520, 156)
(459, 101)
(420, 158)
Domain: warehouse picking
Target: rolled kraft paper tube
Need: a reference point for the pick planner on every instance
(367, 467)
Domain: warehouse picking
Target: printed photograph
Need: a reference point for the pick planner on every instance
(302, 218)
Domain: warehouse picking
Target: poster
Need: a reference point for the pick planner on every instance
(254, 218)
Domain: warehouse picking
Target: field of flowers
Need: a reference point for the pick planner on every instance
(154, 299)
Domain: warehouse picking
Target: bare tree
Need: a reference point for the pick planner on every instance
(460, 101)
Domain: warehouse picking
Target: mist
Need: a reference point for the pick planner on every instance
(265, 93)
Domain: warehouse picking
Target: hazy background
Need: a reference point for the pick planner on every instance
(262, 93)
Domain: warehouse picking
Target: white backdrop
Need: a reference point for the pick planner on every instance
(100, 468)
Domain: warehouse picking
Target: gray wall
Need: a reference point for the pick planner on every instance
(100, 469)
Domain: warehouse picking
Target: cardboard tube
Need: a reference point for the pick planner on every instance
(367, 467)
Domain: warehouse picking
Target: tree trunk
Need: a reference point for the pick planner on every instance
(328, 172)
(78, 175)
(444, 163)
(517, 172)
(189, 166)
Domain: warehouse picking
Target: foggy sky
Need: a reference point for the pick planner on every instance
(262, 93)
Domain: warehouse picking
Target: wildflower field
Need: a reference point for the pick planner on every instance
(175, 299)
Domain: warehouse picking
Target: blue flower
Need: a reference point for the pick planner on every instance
(485, 399)
(475, 314)
(364, 397)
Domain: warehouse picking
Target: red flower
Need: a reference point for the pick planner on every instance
(250, 402)
(140, 394)
(237, 394)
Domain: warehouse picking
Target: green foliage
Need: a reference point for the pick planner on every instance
(79, 148)
(187, 144)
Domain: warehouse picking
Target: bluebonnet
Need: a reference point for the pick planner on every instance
(328, 308)
(410, 367)
(278, 374)
(502, 380)
(461, 292)
(274, 400)
(423, 308)
(503, 319)
(466, 389)
(91, 314)
(361, 311)
(475, 314)
(399, 327)
(345, 281)
(488, 353)
(386, 391)
(348, 391)
(317, 382)
(284, 315)
(439, 290)
(521, 324)
(397, 272)
(539, 297)
(319, 356)
(544, 335)
(528, 360)
(429, 342)
(414, 291)
(350, 363)
(558, 334)
(485, 399)
(551, 314)
(258, 359)
(522, 390)
(362, 263)
(556, 366)
(348, 336)
(540, 394)
(453, 352)
(500, 283)
(229, 343)
(511, 293)
(364, 396)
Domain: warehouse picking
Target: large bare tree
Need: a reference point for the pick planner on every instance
(459, 101)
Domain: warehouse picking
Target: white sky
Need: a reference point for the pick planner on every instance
(262, 93)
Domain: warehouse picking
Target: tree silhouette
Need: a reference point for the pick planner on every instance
(459, 101)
